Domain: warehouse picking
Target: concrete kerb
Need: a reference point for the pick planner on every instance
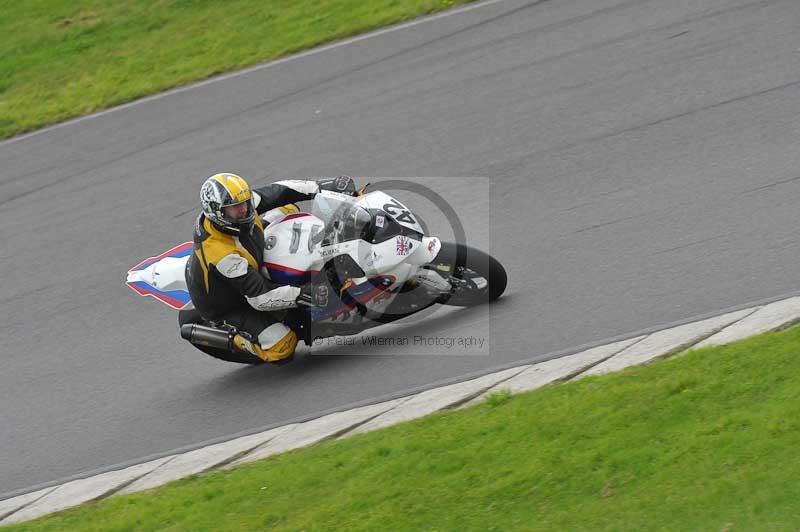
(14, 504)
(205, 459)
(83, 490)
(712, 331)
(431, 401)
(774, 316)
(320, 429)
(664, 343)
(557, 369)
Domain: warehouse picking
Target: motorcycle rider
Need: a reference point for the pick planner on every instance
(224, 273)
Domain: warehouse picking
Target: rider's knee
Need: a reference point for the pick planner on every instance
(277, 342)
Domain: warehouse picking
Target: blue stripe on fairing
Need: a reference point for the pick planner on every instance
(182, 296)
(284, 277)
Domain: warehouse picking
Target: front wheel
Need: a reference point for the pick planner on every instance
(476, 276)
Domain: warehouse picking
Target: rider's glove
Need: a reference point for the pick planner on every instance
(313, 295)
(343, 184)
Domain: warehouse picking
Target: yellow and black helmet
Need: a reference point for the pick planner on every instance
(223, 190)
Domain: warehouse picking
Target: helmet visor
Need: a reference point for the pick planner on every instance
(241, 213)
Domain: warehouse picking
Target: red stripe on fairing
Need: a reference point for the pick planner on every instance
(174, 303)
(147, 262)
(292, 217)
(364, 298)
(141, 291)
(287, 269)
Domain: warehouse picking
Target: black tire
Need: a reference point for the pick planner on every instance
(193, 316)
(458, 260)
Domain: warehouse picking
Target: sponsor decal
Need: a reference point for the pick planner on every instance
(431, 245)
(403, 245)
(334, 194)
(329, 252)
(380, 220)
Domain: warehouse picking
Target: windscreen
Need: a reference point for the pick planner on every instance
(344, 220)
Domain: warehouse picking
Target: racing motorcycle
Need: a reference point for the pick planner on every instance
(368, 258)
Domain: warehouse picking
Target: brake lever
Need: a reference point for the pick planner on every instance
(363, 190)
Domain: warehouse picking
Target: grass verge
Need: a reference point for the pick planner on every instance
(703, 442)
(63, 58)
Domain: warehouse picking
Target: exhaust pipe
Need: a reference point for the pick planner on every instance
(206, 336)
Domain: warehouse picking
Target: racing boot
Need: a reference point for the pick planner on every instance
(279, 339)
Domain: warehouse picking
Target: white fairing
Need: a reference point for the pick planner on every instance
(294, 255)
(425, 253)
(166, 274)
(288, 243)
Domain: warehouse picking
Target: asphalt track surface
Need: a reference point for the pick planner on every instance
(643, 160)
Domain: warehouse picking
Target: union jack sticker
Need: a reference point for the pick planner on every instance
(403, 245)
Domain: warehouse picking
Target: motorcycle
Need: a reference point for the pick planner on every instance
(368, 257)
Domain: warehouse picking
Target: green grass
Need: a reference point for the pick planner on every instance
(499, 397)
(709, 441)
(63, 58)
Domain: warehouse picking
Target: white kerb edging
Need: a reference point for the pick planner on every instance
(83, 490)
(666, 342)
(768, 318)
(556, 369)
(202, 460)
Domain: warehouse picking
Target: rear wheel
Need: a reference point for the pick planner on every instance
(476, 276)
(193, 316)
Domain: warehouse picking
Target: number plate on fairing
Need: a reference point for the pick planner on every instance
(290, 256)
(398, 211)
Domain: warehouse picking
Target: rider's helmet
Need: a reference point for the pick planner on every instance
(223, 190)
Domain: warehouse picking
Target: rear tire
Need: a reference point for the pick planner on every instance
(193, 316)
(463, 262)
